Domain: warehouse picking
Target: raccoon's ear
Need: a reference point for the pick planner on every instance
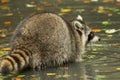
(78, 25)
(79, 17)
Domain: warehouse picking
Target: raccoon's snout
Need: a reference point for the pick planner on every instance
(95, 39)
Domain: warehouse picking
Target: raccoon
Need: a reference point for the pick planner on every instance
(46, 40)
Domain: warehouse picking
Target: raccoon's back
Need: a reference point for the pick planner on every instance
(44, 28)
(46, 35)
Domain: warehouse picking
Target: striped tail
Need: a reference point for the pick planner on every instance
(14, 62)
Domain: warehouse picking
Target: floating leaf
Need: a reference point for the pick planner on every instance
(3, 35)
(75, 74)
(51, 74)
(107, 1)
(58, 76)
(110, 31)
(2, 53)
(110, 14)
(80, 10)
(101, 9)
(115, 44)
(66, 10)
(31, 5)
(5, 6)
(101, 76)
(110, 36)
(20, 76)
(7, 23)
(106, 23)
(47, 4)
(33, 76)
(96, 30)
(4, 1)
(118, 13)
(118, 68)
(87, 1)
(5, 49)
(66, 76)
(62, 76)
(94, 0)
(39, 8)
(59, 1)
(9, 14)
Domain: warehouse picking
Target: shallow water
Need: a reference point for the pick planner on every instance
(101, 60)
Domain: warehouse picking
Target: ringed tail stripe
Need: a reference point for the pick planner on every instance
(22, 53)
(24, 50)
(12, 63)
(17, 61)
(23, 57)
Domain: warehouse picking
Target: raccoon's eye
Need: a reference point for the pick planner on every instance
(90, 36)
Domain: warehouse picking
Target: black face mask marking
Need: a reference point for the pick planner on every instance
(90, 36)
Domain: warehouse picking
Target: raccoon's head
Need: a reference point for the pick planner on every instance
(84, 31)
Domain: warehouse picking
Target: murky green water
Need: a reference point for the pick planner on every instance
(102, 60)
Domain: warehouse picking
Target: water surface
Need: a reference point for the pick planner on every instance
(101, 60)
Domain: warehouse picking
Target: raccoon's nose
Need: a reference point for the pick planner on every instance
(99, 39)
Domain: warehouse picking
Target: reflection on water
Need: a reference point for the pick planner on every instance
(102, 60)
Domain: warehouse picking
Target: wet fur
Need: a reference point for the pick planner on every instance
(49, 41)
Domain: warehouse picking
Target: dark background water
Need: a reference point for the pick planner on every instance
(101, 60)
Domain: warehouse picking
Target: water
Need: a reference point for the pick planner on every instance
(101, 60)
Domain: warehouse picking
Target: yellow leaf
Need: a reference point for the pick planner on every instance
(9, 14)
(5, 6)
(4, 1)
(18, 78)
(110, 14)
(118, 69)
(51, 74)
(7, 23)
(87, 1)
(96, 30)
(3, 35)
(66, 75)
(5, 49)
(66, 10)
